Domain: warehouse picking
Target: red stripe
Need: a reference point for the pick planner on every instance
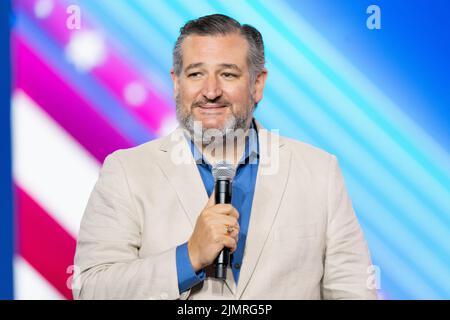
(43, 243)
(63, 104)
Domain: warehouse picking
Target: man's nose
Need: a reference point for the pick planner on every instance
(211, 88)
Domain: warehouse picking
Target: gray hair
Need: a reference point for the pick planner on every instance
(219, 24)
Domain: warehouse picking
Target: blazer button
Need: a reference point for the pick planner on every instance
(237, 265)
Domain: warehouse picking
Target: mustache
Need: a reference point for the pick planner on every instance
(203, 102)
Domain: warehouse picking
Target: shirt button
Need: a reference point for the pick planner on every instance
(237, 265)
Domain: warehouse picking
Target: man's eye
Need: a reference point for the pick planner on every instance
(194, 75)
(229, 75)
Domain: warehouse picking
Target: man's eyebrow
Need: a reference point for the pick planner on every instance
(222, 65)
(193, 66)
(230, 66)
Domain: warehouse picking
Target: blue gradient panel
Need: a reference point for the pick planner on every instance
(378, 99)
(407, 57)
(6, 197)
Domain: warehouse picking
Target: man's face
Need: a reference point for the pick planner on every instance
(214, 85)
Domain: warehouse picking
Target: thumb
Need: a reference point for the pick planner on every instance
(211, 200)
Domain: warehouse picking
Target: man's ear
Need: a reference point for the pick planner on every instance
(259, 85)
(175, 82)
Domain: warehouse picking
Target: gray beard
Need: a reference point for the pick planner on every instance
(208, 135)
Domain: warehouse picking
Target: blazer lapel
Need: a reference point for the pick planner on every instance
(181, 170)
(271, 182)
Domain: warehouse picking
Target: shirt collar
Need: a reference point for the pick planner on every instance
(251, 152)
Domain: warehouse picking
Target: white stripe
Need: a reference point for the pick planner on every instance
(30, 285)
(50, 165)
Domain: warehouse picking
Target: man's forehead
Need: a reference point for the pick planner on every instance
(217, 50)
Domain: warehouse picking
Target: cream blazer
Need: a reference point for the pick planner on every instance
(303, 241)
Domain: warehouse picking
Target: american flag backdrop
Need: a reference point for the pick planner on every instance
(92, 76)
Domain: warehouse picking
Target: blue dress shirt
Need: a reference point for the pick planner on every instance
(242, 197)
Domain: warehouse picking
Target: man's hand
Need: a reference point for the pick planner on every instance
(210, 234)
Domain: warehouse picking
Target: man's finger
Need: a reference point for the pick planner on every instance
(226, 209)
(211, 200)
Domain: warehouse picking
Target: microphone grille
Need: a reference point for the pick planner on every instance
(223, 170)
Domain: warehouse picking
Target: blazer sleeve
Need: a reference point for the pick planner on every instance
(347, 260)
(107, 261)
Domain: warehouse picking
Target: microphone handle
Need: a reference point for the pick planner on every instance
(223, 195)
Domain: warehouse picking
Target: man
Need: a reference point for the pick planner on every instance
(151, 229)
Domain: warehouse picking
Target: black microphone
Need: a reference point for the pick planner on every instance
(223, 173)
